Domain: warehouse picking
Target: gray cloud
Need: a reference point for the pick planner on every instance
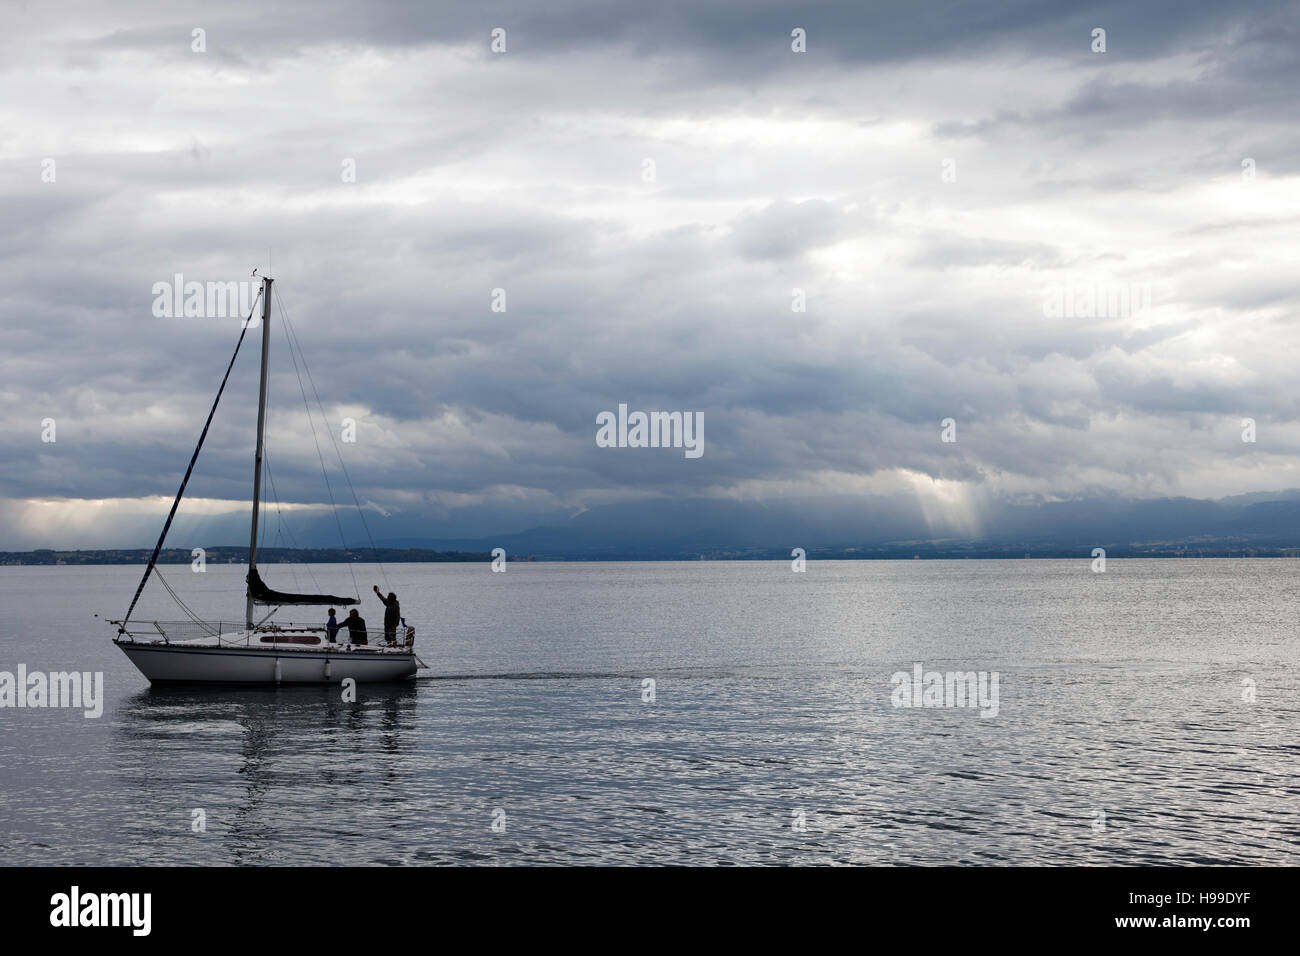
(774, 171)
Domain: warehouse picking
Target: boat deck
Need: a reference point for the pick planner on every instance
(280, 640)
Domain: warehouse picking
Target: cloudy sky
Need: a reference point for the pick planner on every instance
(650, 184)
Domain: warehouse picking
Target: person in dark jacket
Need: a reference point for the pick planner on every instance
(332, 628)
(392, 615)
(356, 628)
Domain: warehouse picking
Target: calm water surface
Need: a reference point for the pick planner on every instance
(1122, 735)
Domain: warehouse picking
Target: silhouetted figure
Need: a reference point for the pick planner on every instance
(392, 615)
(332, 628)
(356, 628)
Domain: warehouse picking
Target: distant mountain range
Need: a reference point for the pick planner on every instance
(877, 527)
(899, 527)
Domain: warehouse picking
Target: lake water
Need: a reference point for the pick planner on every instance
(1125, 731)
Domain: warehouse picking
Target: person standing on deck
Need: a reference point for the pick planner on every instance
(392, 615)
(332, 628)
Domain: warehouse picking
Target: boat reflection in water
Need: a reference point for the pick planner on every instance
(253, 776)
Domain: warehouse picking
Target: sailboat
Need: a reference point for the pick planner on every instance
(259, 652)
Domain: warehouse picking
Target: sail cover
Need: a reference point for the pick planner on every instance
(262, 594)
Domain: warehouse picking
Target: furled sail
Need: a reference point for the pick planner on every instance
(261, 594)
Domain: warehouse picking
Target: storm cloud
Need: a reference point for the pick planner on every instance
(825, 253)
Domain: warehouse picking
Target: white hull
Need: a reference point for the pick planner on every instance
(209, 662)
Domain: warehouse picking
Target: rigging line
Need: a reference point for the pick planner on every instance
(279, 518)
(183, 606)
(324, 475)
(283, 529)
(261, 504)
(316, 440)
(288, 324)
(153, 560)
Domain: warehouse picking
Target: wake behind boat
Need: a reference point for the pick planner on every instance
(259, 652)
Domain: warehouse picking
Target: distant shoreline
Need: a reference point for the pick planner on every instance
(916, 551)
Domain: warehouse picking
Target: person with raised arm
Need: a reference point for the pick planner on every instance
(392, 615)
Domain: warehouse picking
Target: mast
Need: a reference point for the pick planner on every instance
(261, 434)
